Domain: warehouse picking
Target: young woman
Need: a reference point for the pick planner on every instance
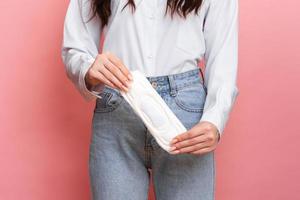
(164, 39)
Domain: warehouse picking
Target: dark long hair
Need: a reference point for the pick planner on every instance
(181, 7)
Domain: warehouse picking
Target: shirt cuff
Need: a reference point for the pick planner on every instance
(218, 114)
(94, 91)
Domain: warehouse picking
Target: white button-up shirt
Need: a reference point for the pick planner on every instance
(158, 45)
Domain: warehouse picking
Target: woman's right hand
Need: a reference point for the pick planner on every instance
(109, 70)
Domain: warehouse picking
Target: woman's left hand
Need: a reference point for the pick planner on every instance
(200, 139)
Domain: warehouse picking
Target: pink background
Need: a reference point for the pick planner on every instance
(45, 124)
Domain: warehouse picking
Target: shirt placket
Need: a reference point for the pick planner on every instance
(151, 37)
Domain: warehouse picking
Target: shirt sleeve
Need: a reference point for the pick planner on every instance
(80, 45)
(221, 61)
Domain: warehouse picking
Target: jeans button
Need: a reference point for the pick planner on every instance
(154, 84)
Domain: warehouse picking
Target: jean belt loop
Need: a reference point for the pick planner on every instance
(173, 87)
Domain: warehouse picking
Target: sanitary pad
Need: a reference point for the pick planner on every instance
(161, 122)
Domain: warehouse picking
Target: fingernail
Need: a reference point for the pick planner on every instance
(172, 148)
(174, 152)
(125, 88)
(130, 85)
(127, 83)
(174, 141)
(130, 77)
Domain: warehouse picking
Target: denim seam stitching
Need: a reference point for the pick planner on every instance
(198, 110)
(181, 105)
(112, 108)
(189, 84)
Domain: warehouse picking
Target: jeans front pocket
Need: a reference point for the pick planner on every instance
(191, 97)
(111, 100)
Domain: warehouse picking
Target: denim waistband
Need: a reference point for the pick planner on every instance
(172, 83)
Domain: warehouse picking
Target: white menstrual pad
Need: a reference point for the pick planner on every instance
(161, 122)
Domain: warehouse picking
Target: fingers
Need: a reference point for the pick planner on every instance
(186, 135)
(198, 140)
(190, 141)
(104, 80)
(119, 64)
(111, 71)
(202, 151)
(116, 72)
(192, 148)
(114, 76)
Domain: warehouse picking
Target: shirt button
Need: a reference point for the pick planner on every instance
(150, 56)
(151, 16)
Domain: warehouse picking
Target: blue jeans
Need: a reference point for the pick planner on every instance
(122, 151)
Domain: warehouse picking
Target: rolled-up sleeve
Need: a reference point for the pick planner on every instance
(80, 45)
(221, 61)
